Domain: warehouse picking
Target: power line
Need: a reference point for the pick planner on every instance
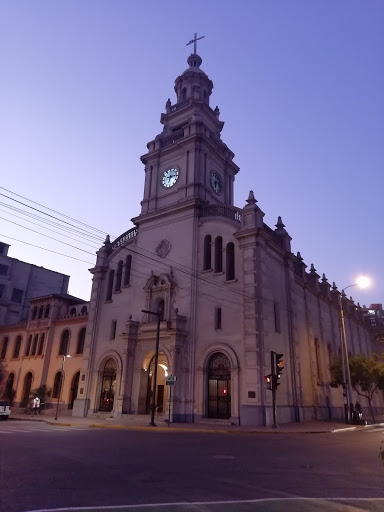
(34, 223)
(73, 229)
(188, 271)
(37, 210)
(44, 249)
(50, 209)
(47, 236)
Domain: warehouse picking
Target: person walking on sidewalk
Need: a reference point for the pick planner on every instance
(36, 405)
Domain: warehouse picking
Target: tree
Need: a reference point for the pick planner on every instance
(367, 375)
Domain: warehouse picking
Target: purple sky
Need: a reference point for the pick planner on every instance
(299, 85)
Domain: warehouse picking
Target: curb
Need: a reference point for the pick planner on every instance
(202, 430)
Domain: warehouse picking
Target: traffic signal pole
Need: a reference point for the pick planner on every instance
(274, 378)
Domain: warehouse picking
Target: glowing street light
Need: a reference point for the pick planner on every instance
(361, 282)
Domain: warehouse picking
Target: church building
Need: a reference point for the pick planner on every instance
(226, 288)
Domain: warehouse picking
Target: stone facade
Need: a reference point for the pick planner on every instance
(226, 286)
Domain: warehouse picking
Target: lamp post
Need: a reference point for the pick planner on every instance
(362, 282)
(61, 385)
(153, 405)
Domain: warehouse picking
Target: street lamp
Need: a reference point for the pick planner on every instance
(361, 282)
(61, 384)
(153, 405)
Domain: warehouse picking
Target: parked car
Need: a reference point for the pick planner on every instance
(5, 410)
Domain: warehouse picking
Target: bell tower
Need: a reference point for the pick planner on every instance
(188, 161)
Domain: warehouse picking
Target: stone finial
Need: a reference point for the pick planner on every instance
(280, 224)
(358, 305)
(324, 279)
(298, 256)
(251, 198)
(343, 294)
(107, 240)
(334, 287)
(217, 112)
(313, 270)
(130, 317)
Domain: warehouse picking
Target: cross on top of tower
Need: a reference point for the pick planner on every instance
(194, 40)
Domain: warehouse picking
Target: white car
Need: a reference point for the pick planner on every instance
(5, 410)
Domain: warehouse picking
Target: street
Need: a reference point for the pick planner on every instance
(46, 466)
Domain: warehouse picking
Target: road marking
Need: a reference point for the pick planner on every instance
(201, 503)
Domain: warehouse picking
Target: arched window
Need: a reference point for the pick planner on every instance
(218, 254)
(72, 311)
(81, 341)
(34, 346)
(8, 393)
(110, 285)
(27, 389)
(34, 313)
(47, 309)
(159, 307)
(84, 310)
(41, 345)
(127, 275)
(184, 93)
(207, 252)
(41, 311)
(119, 275)
(4, 349)
(28, 348)
(16, 352)
(64, 343)
(230, 253)
(57, 385)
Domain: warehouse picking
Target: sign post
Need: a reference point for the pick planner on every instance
(170, 381)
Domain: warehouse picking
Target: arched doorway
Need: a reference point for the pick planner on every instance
(74, 388)
(108, 384)
(219, 386)
(145, 398)
(26, 390)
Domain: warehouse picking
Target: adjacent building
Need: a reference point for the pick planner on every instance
(35, 352)
(20, 282)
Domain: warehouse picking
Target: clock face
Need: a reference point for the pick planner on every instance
(216, 182)
(170, 177)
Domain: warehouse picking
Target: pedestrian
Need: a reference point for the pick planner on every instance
(36, 405)
(358, 407)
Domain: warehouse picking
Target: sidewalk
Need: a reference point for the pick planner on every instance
(142, 423)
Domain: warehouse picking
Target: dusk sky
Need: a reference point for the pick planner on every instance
(298, 83)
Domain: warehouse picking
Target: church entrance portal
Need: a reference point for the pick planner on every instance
(108, 385)
(219, 386)
(145, 401)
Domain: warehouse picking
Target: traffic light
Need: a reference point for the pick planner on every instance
(268, 380)
(278, 367)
